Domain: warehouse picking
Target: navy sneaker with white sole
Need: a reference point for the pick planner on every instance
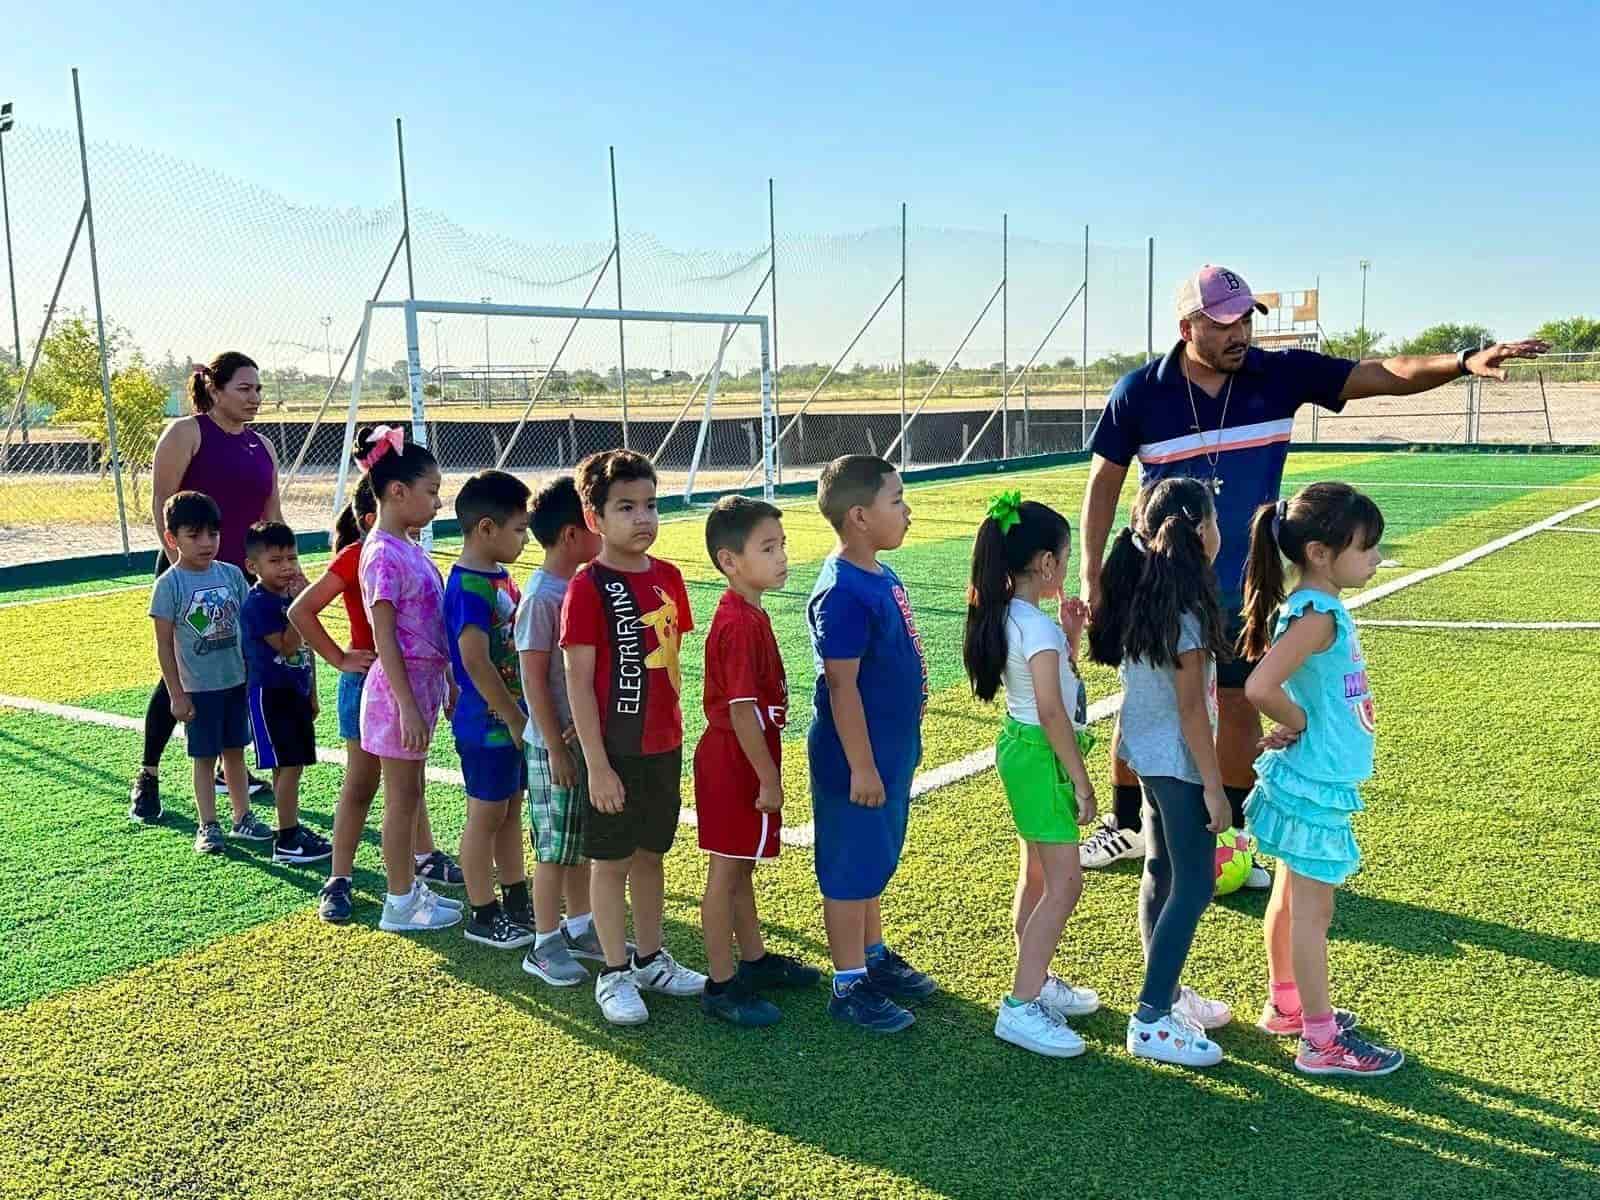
(863, 1005)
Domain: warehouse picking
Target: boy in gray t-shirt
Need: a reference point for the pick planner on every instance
(558, 780)
(196, 604)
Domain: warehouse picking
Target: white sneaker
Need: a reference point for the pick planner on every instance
(1197, 1010)
(619, 999)
(667, 976)
(1034, 1027)
(446, 902)
(1108, 845)
(1172, 1039)
(417, 913)
(1258, 880)
(1062, 999)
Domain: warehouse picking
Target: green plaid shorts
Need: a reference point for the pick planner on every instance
(556, 816)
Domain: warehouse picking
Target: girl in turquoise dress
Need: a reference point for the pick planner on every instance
(1312, 683)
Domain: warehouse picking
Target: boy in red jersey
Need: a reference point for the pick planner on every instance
(737, 786)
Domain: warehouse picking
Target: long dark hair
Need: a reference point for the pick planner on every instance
(1330, 513)
(351, 526)
(1158, 571)
(216, 373)
(406, 465)
(998, 557)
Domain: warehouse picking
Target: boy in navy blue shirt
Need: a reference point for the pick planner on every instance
(480, 611)
(281, 686)
(865, 739)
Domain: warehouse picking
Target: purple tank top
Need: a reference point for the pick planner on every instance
(235, 470)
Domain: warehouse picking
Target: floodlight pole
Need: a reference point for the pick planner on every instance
(405, 207)
(1083, 367)
(100, 319)
(1005, 332)
(772, 275)
(622, 340)
(11, 272)
(905, 442)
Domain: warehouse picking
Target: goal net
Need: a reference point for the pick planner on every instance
(535, 389)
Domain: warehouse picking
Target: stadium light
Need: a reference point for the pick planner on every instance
(6, 122)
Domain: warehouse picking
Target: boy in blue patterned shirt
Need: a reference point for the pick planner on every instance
(480, 608)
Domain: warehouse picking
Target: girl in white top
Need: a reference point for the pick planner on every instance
(1018, 562)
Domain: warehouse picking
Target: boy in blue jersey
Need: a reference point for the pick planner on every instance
(866, 736)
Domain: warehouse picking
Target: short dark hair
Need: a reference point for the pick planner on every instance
(598, 472)
(268, 535)
(848, 481)
(555, 506)
(497, 495)
(731, 522)
(191, 510)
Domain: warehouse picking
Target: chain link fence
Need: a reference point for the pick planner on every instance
(928, 345)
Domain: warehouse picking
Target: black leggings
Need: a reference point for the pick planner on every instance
(158, 719)
(1179, 877)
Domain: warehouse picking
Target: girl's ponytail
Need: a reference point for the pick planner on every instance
(1012, 536)
(1263, 581)
(351, 525)
(984, 648)
(1157, 573)
(1119, 579)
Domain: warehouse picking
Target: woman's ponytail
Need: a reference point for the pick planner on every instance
(1263, 581)
(199, 393)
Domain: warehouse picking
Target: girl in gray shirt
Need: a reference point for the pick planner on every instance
(1160, 623)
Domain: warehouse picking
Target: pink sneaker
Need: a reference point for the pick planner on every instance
(1278, 1024)
(1347, 1054)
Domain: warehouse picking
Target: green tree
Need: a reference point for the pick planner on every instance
(395, 393)
(1571, 335)
(1359, 342)
(1447, 339)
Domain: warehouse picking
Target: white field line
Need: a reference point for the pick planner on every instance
(798, 836)
(1527, 625)
(1476, 487)
(1573, 529)
(982, 760)
(938, 777)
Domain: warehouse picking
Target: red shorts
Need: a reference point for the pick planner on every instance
(725, 789)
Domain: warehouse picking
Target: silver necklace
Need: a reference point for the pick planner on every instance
(1214, 454)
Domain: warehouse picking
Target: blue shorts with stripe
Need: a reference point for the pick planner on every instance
(284, 728)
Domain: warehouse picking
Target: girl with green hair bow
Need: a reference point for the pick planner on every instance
(1019, 560)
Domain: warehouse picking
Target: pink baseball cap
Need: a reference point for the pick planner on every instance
(1221, 294)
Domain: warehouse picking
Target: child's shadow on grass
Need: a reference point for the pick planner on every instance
(948, 1105)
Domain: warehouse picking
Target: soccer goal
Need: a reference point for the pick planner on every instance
(533, 389)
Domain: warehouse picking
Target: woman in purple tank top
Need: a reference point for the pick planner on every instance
(215, 452)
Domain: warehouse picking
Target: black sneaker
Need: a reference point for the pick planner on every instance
(865, 1006)
(333, 903)
(778, 970)
(738, 1005)
(439, 868)
(302, 846)
(255, 786)
(520, 914)
(500, 932)
(898, 979)
(144, 799)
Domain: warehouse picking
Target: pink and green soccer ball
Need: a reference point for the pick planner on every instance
(1235, 857)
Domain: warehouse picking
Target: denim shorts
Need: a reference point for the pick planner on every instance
(349, 704)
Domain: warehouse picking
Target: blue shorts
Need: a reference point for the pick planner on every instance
(856, 849)
(221, 722)
(349, 704)
(493, 773)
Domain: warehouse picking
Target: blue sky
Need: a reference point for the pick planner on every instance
(1452, 145)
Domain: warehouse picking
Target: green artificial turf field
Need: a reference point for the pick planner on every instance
(179, 1026)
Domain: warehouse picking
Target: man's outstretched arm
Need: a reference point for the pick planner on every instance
(1407, 374)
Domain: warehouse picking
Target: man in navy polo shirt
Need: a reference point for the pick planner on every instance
(1218, 409)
